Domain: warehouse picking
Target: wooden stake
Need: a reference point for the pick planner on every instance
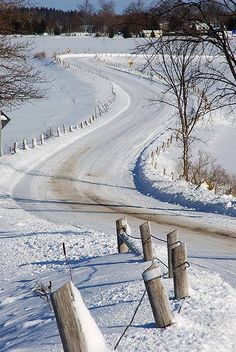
(25, 146)
(121, 224)
(34, 143)
(58, 132)
(15, 147)
(179, 264)
(42, 139)
(157, 296)
(69, 327)
(146, 237)
(172, 241)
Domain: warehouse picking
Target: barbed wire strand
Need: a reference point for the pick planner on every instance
(139, 238)
(159, 239)
(131, 321)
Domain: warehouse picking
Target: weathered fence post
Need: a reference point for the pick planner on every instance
(58, 132)
(42, 139)
(25, 146)
(75, 324)
(34, 143)
(146, 237)
(180, 264)
(157, 296)
(172, 241)
(121, 224)
(82, 125)
(64, 128)
(15, 147)
(71, 129)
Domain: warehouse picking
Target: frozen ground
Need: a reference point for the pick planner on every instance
(81, 181)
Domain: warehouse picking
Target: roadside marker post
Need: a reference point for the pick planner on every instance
(4, 119)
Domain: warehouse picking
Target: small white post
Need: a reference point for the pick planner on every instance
(34, 143)
(58, 132)
(71, 129)
(25, 146)
(82, 125)
(42, 139)
(64, 128)
(15, 147)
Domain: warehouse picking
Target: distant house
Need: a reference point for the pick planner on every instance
(200, 27)
(152, 33)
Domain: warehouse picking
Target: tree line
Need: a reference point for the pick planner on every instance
(170, 16)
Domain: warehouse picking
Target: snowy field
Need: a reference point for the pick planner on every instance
(40, 210)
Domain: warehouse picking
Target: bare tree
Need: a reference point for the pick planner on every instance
(86, 10)
(179, 66)
(212, 15)
(19, 79)
(105, 17)
(107, 6)
(135, 17)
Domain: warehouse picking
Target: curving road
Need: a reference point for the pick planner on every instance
(90, 183)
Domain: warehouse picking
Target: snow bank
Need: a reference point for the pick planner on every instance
(93, 337)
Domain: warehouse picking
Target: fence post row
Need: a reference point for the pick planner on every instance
(146, 237)
(157, 296)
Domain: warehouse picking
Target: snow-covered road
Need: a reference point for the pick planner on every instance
(90, 182)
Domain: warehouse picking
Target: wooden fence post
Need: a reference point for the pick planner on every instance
(70, 330)
(172, 241)
(71, 129)
(58, 132)
(180, 264)
(64, 128)
(25, 146)
(121, 224)
(157, 296)
(75, 324)
(146, 237)
(15, 147)
(34, 143)
(42, 139)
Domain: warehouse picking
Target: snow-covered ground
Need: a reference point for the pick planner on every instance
(98, 163)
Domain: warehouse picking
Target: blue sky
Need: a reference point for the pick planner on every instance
(72, 4)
